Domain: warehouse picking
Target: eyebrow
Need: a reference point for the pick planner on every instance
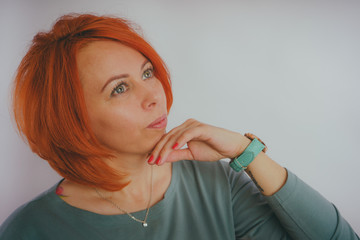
(116, 77)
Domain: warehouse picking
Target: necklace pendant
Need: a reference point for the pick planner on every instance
(145, 224)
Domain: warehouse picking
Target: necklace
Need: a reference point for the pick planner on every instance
(144, 222)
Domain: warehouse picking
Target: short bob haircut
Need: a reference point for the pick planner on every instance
(48, 102)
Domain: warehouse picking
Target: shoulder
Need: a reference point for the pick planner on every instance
(28, 216)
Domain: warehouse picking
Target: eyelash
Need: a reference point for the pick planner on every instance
(123, 83)
(149, 69)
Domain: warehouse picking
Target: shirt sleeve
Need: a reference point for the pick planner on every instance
(253, 218)
(296, 211)
(306, 214)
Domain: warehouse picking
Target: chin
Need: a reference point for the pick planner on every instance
(155, 140)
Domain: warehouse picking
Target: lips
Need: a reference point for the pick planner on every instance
(160, 122)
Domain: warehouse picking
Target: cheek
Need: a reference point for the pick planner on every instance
(114, 130)
(112, 121)
(161, 93)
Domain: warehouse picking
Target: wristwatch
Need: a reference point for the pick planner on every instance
(247, 156)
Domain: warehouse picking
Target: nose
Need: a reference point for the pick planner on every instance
(149, 97)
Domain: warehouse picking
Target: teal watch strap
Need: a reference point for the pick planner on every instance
(241, 162)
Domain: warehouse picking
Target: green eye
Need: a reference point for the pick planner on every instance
(148, 73)
(119, 89)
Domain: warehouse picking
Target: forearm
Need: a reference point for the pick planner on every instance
(302, 211)
(268, 175)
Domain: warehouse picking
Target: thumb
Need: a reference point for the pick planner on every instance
(180, 154)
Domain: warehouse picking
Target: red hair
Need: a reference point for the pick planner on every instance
(48, 102)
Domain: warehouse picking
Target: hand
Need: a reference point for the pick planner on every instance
(204, 143)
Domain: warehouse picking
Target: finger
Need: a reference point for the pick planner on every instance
(181, 154)
(164, 151)
(194, 132)
(155, 155)
(159, 145)
(167, 147)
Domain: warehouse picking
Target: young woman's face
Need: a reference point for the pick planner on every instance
(123, 97)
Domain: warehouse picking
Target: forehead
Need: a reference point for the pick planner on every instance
(103, 45)
(102, 59)
(106, 50)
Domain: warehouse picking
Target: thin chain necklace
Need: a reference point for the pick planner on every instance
(143, 222)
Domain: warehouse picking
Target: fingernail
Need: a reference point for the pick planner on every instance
(150, 159)
(175, 145)
(59, 190)
(158, 160)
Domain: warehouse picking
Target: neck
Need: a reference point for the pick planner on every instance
(137, 169)
(133, 197)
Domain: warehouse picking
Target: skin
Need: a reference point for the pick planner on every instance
(209, 143)
(120, 120)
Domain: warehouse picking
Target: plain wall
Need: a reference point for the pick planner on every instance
(287, 71)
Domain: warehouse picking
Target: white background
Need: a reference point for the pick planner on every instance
(287, 71)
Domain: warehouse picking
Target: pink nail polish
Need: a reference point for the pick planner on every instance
(150, 159)
(158, 160)
(175, 145)
(59, 190)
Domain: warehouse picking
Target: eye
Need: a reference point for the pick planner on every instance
(148, 73)
(119, 89)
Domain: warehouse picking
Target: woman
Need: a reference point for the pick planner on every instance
(92, 97)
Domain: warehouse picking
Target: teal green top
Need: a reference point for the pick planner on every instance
(205, 200)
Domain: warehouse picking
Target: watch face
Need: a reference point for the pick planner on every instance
(252, 137)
